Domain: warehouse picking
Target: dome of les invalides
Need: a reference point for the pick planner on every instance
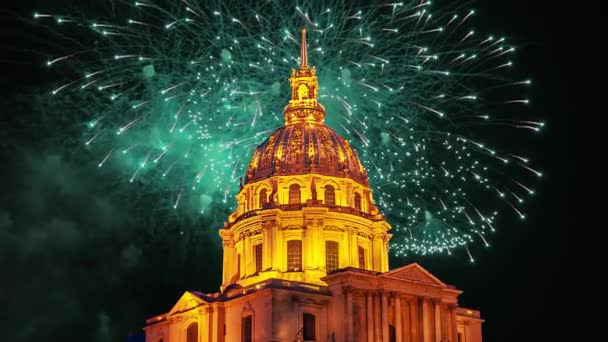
(305, 144)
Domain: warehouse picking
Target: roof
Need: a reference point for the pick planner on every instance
(304, 148)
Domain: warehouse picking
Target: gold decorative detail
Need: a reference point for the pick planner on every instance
(248, 233)
(295, 142)
(291, 227)
(255, 159)
(365, 235)
(304, 106)
(325, 142)
(268, 149)
(334, 229)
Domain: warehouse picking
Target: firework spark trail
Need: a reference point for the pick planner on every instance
(412, 88)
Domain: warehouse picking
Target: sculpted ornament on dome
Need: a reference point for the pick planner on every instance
(295, 142)
(269, 223)
(291, 227)
(325, 143)
(254, 159)
(334, 229)
(365, 235)
(269, 145)
(249, 233)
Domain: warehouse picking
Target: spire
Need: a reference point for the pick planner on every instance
(303, 50)
(304, 106)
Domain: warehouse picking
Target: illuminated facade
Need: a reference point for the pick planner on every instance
(306, 252)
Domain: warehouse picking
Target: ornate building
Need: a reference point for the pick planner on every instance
(306, 252)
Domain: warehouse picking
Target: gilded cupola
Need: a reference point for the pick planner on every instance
(304, 144)
(305, 207)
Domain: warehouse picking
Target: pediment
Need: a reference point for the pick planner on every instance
(414, 273)
(187, 302)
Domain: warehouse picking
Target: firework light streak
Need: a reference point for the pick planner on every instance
(192, 86)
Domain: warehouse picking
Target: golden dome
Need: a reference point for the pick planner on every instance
(304, 148)
(304, 144)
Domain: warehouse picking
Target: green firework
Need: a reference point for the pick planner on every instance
(177, 95)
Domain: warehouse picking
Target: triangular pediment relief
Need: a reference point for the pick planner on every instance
(414, 273)
(187, 302)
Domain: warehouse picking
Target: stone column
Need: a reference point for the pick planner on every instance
(398, 327)
(345, 247)
(426, 321)
(266, 246)
(438, 326)
(229, 260)
(453, 323)
(384, 253)
(414, 325)
(370, 317)
(349, 315)
(354, 248)
(318, 241)
(247, 256)
(209, 324)
(215, 325)
(377, 253)
(279, 257)
(407, 330)
(384, 314)
(446, 327)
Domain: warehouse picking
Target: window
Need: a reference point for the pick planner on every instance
(258, 257)
(361, 257)
(263, 197)
(294, 194)
(330, 195)
(308, 330)
(331, 255)
(247, 329)
(192, 333)
(357, 201)
(302, 92)
(294, 255)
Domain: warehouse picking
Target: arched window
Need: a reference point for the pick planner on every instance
(357, 201)
(258, 257)
(302, 92)
(192, 333)
(263, 197)
(309, 327)
(331, 255)
(247, 329)
(362, 257)
(294, 255)
(294, 194)
(330, 195)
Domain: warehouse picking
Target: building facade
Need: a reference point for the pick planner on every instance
(306, 252)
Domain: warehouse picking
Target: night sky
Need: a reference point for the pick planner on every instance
(82, 261)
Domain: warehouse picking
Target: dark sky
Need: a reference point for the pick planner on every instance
(80, 262)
